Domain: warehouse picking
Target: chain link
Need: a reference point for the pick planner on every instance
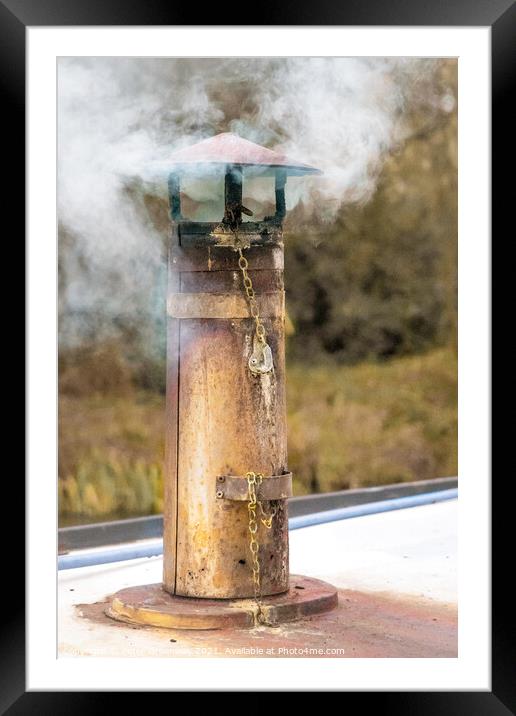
(243, 265)
(267, 517)
(254, 480)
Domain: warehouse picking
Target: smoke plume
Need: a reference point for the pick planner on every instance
(120, 117)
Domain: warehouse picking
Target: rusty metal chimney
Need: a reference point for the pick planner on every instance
(226, 388)
(226, 477)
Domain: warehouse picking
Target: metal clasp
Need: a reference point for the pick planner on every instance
(261, 358)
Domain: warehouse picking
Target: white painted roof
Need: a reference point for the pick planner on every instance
(407, 552)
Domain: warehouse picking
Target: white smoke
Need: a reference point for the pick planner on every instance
(117, 117)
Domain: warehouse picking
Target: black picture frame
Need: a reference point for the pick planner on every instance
(500, 16)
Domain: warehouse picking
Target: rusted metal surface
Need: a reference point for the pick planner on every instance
(235, 487)
(363, 625)
(266, 283)
(218, 234)
(229, 379)
(217, 258)
(229, 421)
(223, 305)
(151, 605)
(171, 428)
(229, 148)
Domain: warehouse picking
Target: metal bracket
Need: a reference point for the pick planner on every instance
(235, 487)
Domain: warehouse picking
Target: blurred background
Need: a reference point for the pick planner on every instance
(370, 274)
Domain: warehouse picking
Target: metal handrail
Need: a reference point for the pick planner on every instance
(141, 550)
(108, 534)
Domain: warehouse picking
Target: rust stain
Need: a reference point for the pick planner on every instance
(230, 422)
(364, 625)
(229, 148)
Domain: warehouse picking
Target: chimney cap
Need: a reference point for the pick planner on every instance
(231, 149)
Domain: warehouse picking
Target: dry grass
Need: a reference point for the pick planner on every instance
(110, 455)
(352, 426)
(373, 424)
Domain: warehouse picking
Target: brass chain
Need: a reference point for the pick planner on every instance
(267, 518)
(243, 265)
(254, 480)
